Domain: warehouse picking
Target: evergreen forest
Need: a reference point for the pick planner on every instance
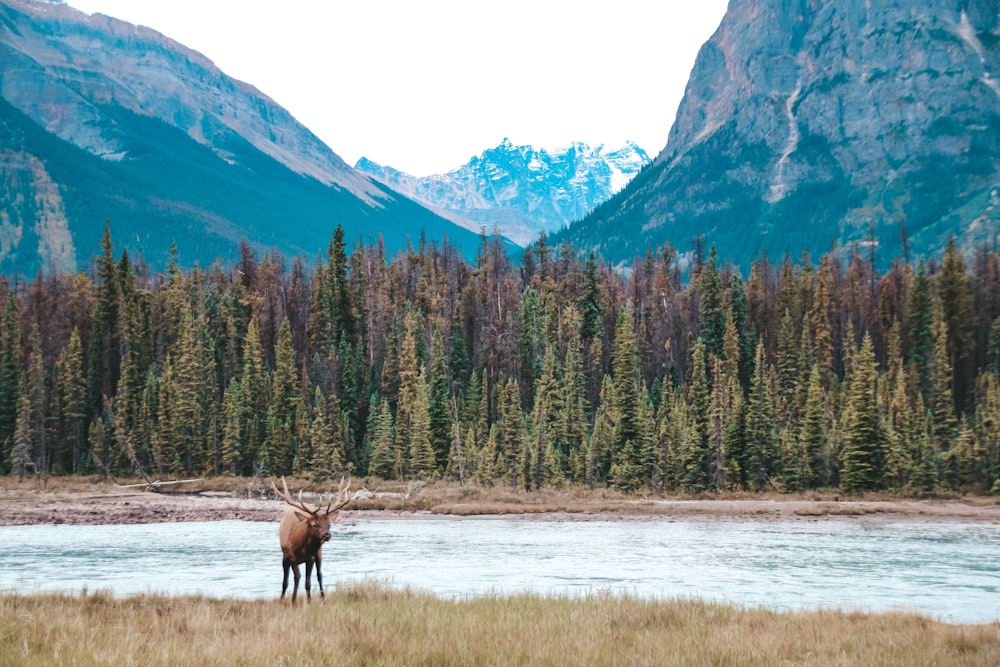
(662, 375)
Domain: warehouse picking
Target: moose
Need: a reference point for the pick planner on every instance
(303, 531)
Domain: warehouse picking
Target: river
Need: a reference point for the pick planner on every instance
(950, 571)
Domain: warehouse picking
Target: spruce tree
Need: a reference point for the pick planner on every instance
(326, 460)
(23, 442)
(105, 331)
(920, 316)
(591, 310)
(813, 433)
(70, 381)
(510, 435)
(819, 317)
(255, 391)
(281, 444)
(232, 424)
(788, 363)
(958, 313)
(861, 454)
(762, 452)
(625, 371)
(441, 427)
(422, 462)
(602, 439)
(383, 438)
(713, 319)
(696, 473)
(10, 377)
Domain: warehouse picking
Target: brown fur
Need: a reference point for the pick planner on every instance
(303, 530)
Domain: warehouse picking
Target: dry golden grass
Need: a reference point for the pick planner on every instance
(367, 624)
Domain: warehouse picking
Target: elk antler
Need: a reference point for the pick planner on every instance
(342, 497)
(287, 497)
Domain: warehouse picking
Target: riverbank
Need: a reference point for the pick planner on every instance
(369, 624)
(82, 500)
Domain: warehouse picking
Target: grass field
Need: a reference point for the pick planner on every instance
(367, 624)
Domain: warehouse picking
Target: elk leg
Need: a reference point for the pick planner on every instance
(319, 574)
(309, 571)
(295, 585)
(285, 565)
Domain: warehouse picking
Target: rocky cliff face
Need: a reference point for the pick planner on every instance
(100, 119)
(807, 122)
(520, 190)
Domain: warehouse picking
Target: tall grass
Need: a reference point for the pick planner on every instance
(367, 624)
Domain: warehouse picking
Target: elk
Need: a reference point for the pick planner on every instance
(302, 532)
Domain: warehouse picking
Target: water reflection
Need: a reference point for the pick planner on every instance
(947, 570)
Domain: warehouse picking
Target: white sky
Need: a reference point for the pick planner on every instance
(423, 85)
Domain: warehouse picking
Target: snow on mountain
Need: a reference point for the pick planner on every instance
(520, 190)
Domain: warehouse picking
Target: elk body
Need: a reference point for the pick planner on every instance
(303, 530)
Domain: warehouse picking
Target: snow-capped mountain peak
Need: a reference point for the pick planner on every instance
(520, 190)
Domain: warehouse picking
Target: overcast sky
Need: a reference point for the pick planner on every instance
(423, 85)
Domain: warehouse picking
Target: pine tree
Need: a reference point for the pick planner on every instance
(71, 382)
(23, 442)
(10, 377)
(745, 336)
(33, 401)
(861, 454)
(510, 435)
(723, 399)
(486, 465)
(713, 320)
(899, 434)
(255, 390)
(788, 363)
(323, 452)
(591, 314)
(625, 371)
(763, 454)
(926, 461)
(105, 331)
(942, 405)
(441, 427)
(819, 317)
(573, 425)
(958, 313)
(422, 459)
(233, 418)
(813, 434)
(993, 348)
(920, 315)
(546, 464)
(281, 444)
(696, 473)
(532, 322)
(602, 439)
(383, 438)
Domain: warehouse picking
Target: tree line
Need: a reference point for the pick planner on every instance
(673, 373)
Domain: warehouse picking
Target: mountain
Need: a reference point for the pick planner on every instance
(519, 190)
(807, 123)
(101, 119)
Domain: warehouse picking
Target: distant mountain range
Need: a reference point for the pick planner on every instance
(101, 119)
(813, 124)
(519, 190)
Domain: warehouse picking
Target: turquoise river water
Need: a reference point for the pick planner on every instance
(949, 571)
